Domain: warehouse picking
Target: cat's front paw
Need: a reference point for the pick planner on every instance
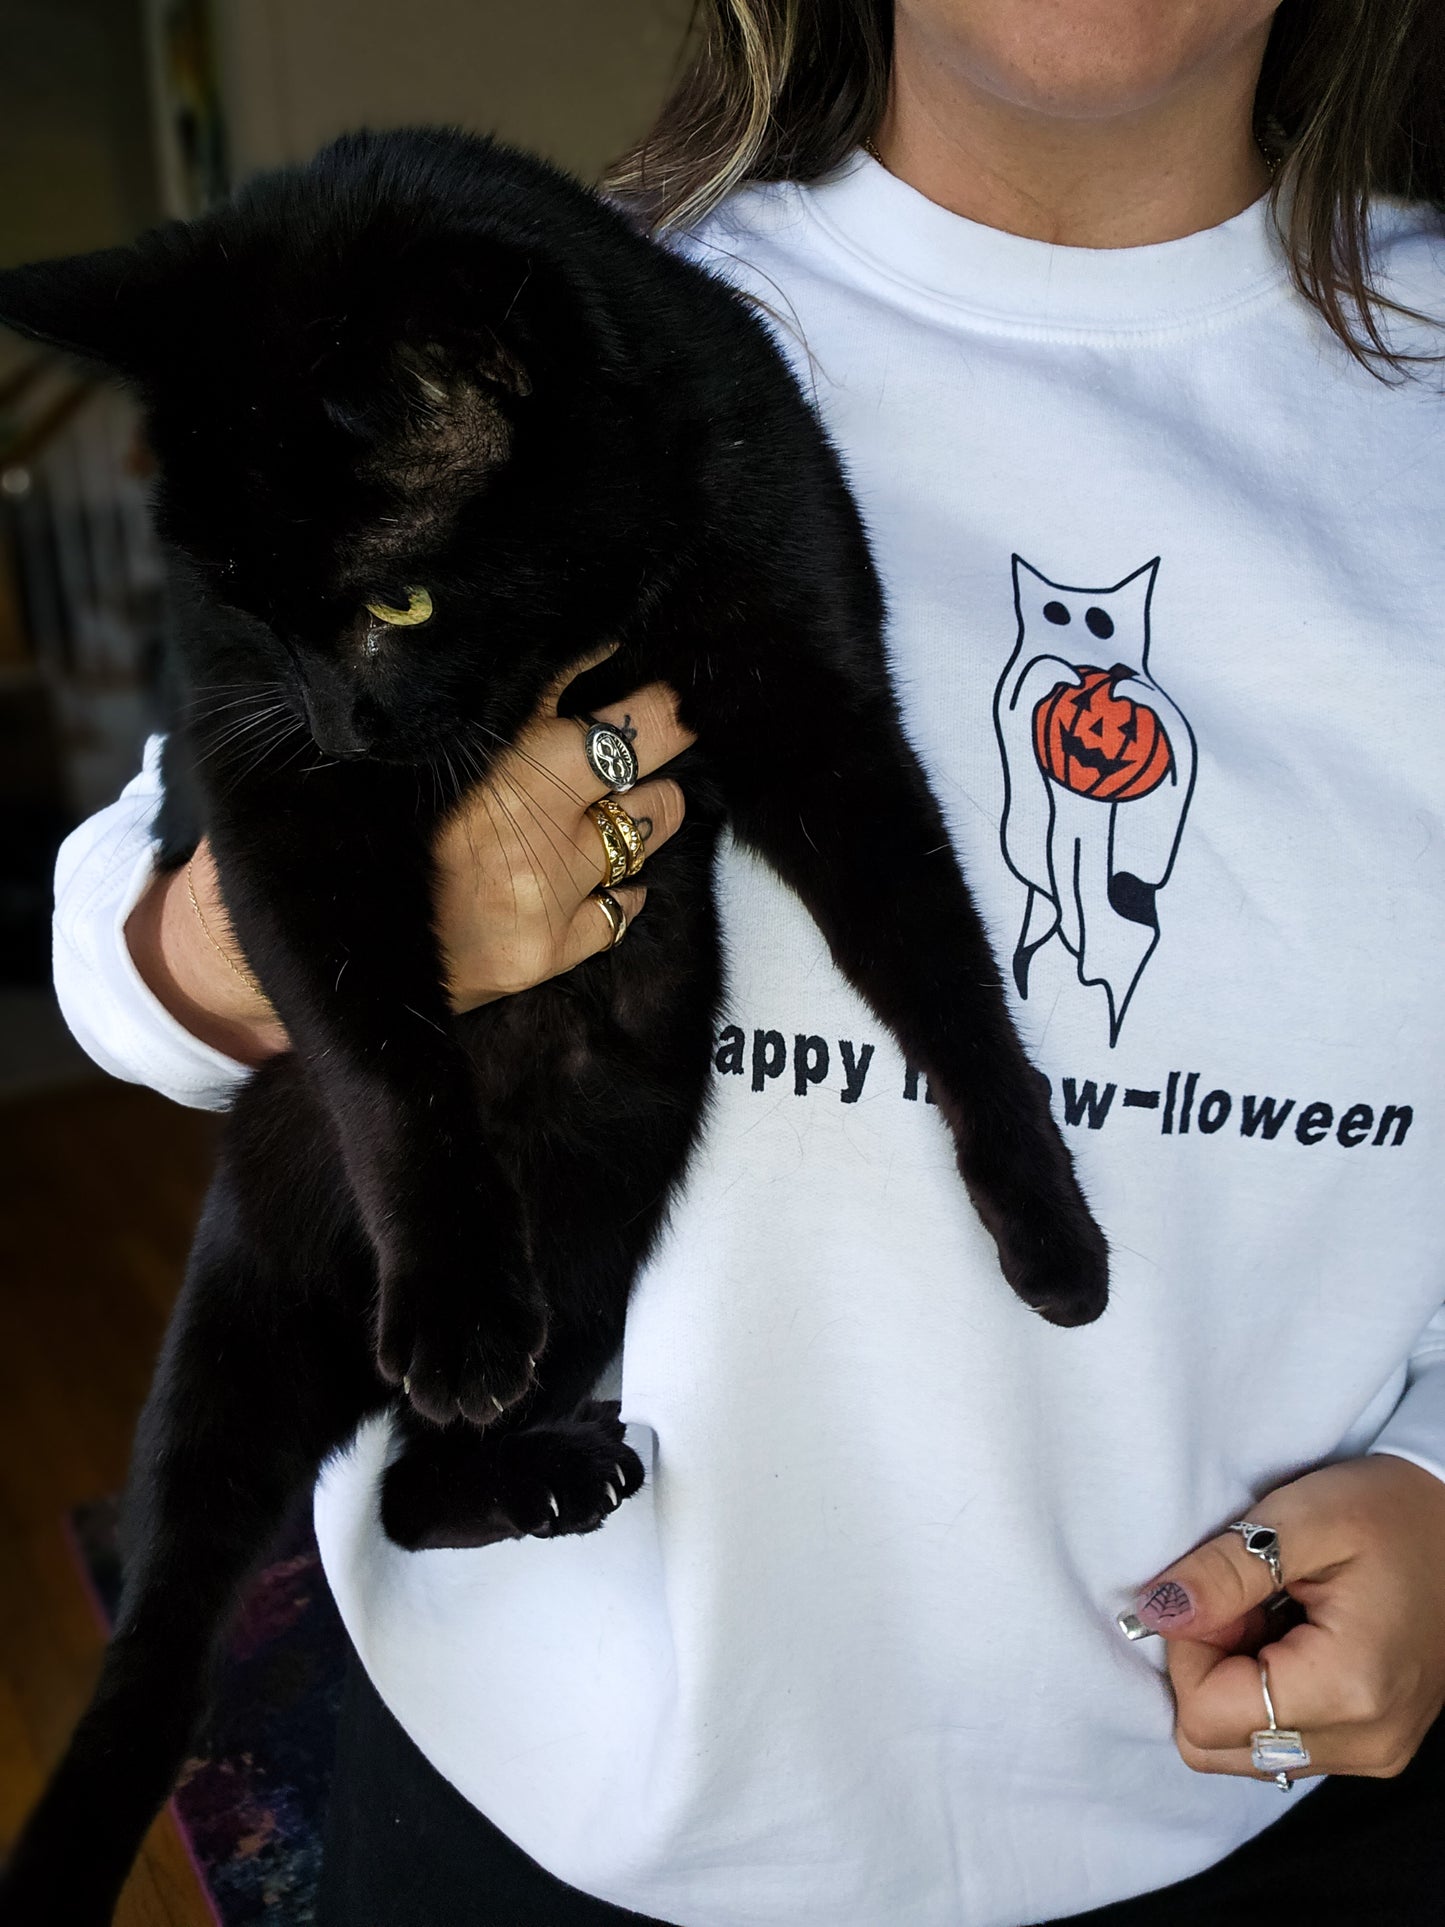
(459, 1346)
(1064, 1277)
(1023, 1183)
(1056, 1259)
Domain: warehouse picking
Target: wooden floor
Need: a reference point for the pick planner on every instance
(99, 1190)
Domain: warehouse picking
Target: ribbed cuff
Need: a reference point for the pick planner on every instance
(1415, 1429)
(103, 868)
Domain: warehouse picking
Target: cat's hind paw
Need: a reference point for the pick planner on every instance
(465, 1488)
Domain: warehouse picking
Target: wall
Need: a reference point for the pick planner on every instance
(574, 79)
(75, 155)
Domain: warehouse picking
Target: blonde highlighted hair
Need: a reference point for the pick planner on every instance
(1352, 92)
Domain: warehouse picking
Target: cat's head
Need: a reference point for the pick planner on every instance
(392, 371)
(1102, 627)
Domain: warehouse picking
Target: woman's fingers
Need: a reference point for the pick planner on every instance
(1338, 1688)
(657, 808)
(1220, 1699)
(552, 752)
(518, 864)
(565, 840)
(592, 930)
(1361, 1678)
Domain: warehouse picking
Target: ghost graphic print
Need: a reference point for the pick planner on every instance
(1098, 772)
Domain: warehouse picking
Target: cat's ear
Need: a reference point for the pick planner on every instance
(1135, 592)
(443, 412)
(441, 376)
(1032, 589)
(114, 306)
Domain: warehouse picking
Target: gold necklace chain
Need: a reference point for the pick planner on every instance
(246, 978)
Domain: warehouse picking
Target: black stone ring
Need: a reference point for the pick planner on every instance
(1263, 1542)
(611, 758)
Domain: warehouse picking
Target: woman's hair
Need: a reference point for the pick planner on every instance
(1351, 91)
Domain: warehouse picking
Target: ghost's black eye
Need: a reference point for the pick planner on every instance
(1100, 622)
(1056, 612)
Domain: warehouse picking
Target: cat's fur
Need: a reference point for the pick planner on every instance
(426, 359)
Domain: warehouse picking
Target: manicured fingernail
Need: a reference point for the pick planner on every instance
(1164, 1605)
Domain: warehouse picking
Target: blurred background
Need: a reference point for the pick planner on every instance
(115, 114)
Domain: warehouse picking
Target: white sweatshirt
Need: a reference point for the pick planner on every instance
(1168, 621)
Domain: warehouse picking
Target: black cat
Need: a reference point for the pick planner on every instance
(426, 361)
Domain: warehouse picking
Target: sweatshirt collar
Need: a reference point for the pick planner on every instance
(1034, 286)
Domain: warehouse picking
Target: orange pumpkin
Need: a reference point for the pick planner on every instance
(1098, 744)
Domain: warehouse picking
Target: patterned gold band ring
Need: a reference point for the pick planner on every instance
(615, 914)
(622, 842)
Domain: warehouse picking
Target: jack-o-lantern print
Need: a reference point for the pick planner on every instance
(1098, 772)
(1098, 743)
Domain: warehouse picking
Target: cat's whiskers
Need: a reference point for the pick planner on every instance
(539, 868)
(545, 820)
(299, 750)
(266, 750)
(201, 707)
(565, 850)
(458, 786)
(478, 771)
(227, 745)
(235, 730)
(491, 803)
(444, 792)
(219, 709)
(524, 756)
(273, 733)
(496, 765)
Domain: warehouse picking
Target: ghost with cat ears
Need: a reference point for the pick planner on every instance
(1093, 864)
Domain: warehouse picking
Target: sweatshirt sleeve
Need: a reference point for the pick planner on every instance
(101, 871)
(1415, 1430)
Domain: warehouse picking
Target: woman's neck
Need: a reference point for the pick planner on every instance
(1179, 160)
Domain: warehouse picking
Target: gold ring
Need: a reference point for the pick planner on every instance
(614, 850)
(615, 914)
(621, 840)
(627, 829)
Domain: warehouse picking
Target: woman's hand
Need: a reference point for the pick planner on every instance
(518, 862)
(516, 867)
(1362, 1547)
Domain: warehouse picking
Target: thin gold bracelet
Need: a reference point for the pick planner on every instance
(246, 978)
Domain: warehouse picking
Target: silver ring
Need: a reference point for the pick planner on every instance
(1263, 1542)
(1275, 1750)
(611, 758)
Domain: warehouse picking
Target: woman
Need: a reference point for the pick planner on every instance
(1159, 519)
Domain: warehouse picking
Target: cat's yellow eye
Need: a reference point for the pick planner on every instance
(418, 609)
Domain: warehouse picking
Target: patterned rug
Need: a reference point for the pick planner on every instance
(252, 1801)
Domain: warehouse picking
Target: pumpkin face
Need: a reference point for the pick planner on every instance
(1098, 744)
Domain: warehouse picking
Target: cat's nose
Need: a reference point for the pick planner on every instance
(341, 725)
(343, 748)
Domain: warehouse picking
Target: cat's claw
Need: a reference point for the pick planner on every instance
(540, 1482)
(457, 1349)
(1062, 1273)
